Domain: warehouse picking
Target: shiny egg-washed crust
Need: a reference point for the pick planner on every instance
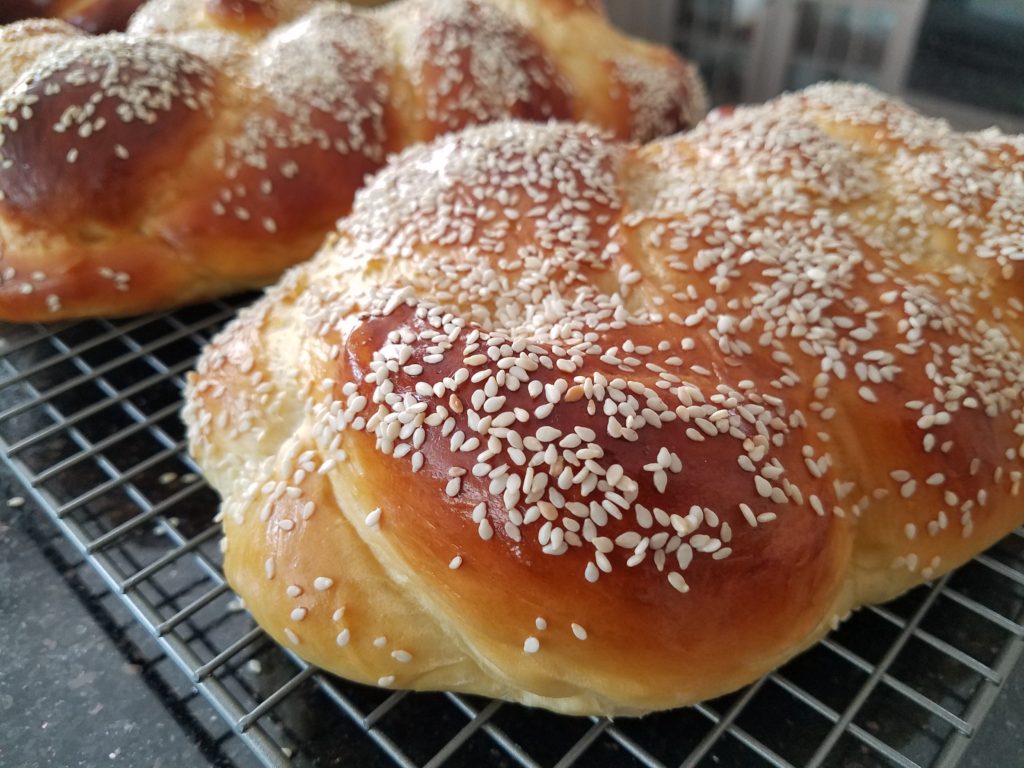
(215, 143)
(609, 428)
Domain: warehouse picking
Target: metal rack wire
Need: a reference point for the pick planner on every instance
(89, 425)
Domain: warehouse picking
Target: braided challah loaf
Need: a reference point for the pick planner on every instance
(205, 151)
(608, 429)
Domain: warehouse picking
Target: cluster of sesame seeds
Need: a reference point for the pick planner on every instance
(133, 79)
(660, 99)
(27, 285)
(532, 643)
(324, 75)
(482, 63)
(572, 330)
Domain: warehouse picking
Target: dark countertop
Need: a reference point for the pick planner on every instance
(1000, 740)
(82, 684)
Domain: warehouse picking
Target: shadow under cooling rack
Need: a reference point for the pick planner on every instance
(89, 424)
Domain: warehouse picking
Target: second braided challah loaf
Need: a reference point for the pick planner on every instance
(216, 143)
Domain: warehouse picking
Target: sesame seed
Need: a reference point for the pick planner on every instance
(580, 632)
(343, 638)
(748, 513)
(531, 645)
(868, 394)
(763, 487)
(678, 582)
(548, 434)
(322, 583)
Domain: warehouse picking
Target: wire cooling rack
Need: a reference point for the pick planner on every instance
(89, 425)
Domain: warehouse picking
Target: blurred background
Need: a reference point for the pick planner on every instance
(958, 59)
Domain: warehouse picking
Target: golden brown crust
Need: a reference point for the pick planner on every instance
(620, 428)
(225, 138)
